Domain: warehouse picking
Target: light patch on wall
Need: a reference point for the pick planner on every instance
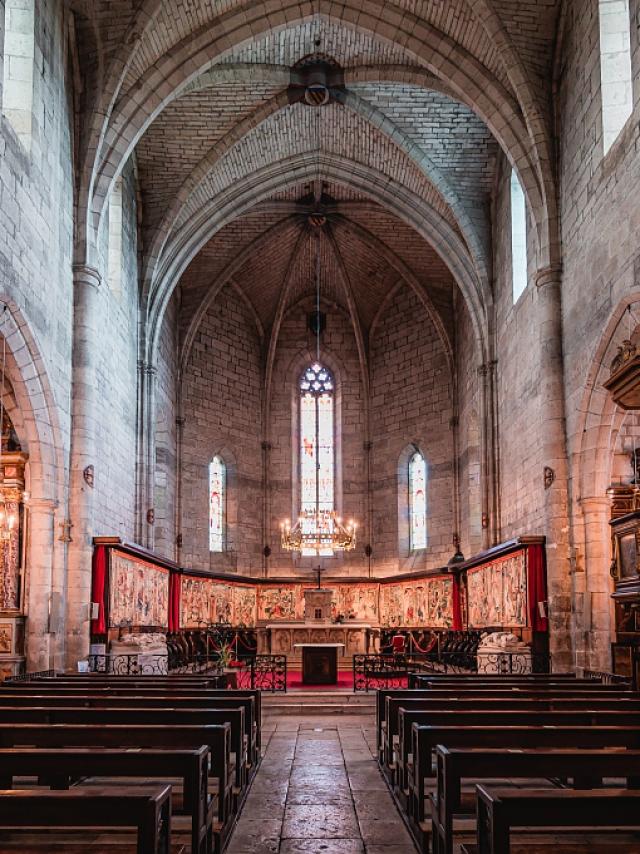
(615, 68)
(17, 70)
(518, 238)
(115, 239)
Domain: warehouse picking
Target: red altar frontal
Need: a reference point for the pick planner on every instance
(504, 587)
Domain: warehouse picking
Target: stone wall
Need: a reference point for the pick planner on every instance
(410, 405)
(166, 435)
(520, 405)
(411, 408)
(221, 401)
(600, 222)
(470, 428)
(296, 349)
(117, 378)
(36, 249)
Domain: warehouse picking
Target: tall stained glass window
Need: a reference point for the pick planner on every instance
(217, 486)
(317, 451)
(417, 502)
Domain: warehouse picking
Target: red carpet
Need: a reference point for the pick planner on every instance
(345, 680)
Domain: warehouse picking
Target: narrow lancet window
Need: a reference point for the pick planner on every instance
(317, 450)
(518, 238)
(19, 53)
(417, 502)
(217, 487)
(615, 68)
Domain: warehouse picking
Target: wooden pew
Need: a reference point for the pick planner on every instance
(138, 700)
(500, 810)
(587, 768)
(147, 809)
(61, 767)
(389, 728)
(507, 717)
(217, 737)
(427, 738)
(90, 682)
(497, 693)
(420, 676)
(138, 717)
(402, 713)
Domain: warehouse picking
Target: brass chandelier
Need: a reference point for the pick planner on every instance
(318, 531)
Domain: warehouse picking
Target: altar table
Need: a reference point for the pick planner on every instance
(319, 663)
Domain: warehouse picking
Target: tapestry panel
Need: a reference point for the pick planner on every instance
(440, 604)
(355, 601)
(283, 602)
(206, 600)
(497, 593)
(391, 605)
(138, 592)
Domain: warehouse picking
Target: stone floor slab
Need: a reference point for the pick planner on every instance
(322, 846)
(319, 791)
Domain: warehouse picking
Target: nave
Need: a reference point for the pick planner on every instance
(319, 789)
(475, 764)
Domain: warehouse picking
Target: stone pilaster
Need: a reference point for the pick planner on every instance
(146, 442)
(84, 413)
(593, 619)
(554, 457)
(45, 624)
(489, 471)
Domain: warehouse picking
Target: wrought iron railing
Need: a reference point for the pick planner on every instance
(373, 672)
(487, 663)
(263, 673)
(125, 664)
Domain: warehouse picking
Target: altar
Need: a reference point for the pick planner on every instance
(351, 637)
(281, 638)
(319, 663)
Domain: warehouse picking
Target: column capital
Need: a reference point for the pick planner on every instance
(549, 275)
(50, 504)
(83, 274)
(595, 503)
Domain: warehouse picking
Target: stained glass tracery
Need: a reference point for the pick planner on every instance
(417, 502)
(217, 485)
(317, 453)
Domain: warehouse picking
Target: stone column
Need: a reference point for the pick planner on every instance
(596, 586)
(554, 463)
(84, 414)
(145, 470)
(45, 623)
(488, 488)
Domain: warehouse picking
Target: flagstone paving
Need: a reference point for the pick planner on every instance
(319, 791)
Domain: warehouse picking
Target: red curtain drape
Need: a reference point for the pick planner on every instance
(537, 585)
(174, 601)
(98, 589)
(457, 607)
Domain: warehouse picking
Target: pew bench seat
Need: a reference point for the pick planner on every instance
(500, 811)
(145, 810)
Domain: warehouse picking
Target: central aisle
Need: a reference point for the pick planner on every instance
(319, 791)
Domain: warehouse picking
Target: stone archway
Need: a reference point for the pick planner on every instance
(40, 437)
(593, 448)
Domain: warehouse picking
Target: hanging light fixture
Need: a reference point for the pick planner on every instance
(8, 517)
(316, 530)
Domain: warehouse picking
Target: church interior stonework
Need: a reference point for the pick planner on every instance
(320, 426)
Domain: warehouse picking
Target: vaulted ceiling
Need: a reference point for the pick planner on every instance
(401, 161)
